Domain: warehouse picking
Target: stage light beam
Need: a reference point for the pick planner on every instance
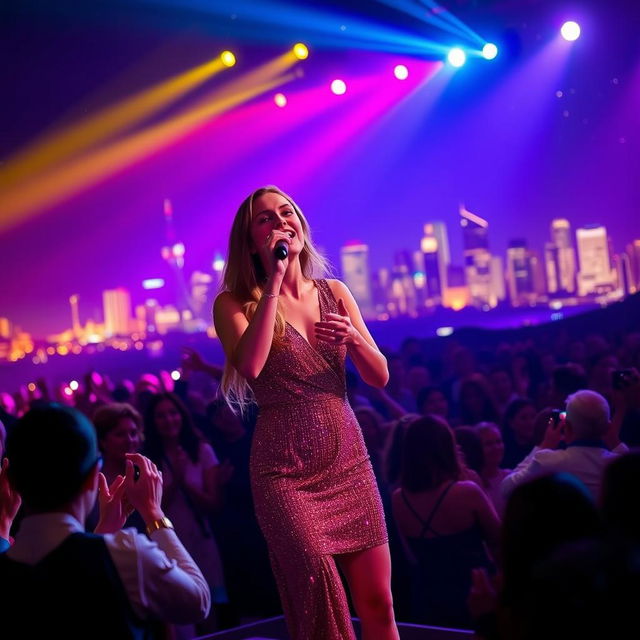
(456, 57)
(570, 30)
(401, 72)
(300, 51)
(489, 51)
(338, 87)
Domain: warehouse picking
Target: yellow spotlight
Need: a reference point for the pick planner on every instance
(228, 59)
(300, 51)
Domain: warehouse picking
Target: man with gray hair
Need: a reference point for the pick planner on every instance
(591, 439)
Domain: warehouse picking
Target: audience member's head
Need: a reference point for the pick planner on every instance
(502, 387)
(53, 456)
(470, 446)
(119, 429)
(393, 458)
(540, 516)
(371, 424)
(224, 420)
(417, 377)
(166, 423)
(476, 403)
(587, 416)
(432, 401)
(429, 455)
(492, 446)
(518, 422)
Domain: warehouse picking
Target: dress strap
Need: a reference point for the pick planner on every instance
(443, 495)
(411, 508)
(325, 296)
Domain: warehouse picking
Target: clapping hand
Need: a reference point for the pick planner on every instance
(113, 504)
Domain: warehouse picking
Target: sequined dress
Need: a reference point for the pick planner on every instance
(314, 489)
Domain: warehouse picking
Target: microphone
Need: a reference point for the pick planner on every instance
(281, 250)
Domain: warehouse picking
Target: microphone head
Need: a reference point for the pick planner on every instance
(281, 250)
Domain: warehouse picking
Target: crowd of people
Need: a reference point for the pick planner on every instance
(507, 475)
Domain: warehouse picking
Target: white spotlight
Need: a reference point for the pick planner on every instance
(456, 57)
(570, 30)
(489, 51)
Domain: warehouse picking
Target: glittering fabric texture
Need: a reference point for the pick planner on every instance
(313, 485)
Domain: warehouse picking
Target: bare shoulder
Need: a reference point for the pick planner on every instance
(226, 303)
(338, 288)
(468, 489)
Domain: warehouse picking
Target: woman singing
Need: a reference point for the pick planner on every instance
(286, 335)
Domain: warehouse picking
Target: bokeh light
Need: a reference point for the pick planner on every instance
(338, 87)
(456, 57)
(401, 72)
(280, 99)
(175, 375)
(227, 58)
(300, 51)
(570, 30)
(489, 51)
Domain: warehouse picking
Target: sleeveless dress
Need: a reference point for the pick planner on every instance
(314, 490)
(441, 578)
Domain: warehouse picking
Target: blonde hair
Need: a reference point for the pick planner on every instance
(244, 277)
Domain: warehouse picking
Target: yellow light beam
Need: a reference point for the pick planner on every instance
(83, 172)
(113, 119)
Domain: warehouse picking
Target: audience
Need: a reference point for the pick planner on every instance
(445, 522)
(192, 488)
(518, 431)
(591, 442)
(58, 580)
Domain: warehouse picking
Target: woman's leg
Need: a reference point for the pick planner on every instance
(368, 574)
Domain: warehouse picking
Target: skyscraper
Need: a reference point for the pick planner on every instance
(354, 257)
(560, 258)
(75, 316)
(520, 273)
(117, 312)
(435, 250)
(477, 258)
(595, 275)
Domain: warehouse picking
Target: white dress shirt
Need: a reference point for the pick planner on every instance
(160, 579)
(587, 463)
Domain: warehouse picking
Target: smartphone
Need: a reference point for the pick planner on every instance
(136, 473)
(621, 378)
(557, 415)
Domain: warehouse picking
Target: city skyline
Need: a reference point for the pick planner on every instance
(573, 266)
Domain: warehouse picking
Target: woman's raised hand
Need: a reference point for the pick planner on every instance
(337, 329)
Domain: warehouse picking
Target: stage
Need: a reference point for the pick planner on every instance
(275, 629)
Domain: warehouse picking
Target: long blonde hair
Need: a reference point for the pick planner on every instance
(244, 277)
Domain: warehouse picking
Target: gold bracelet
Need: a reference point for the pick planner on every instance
(162, 523)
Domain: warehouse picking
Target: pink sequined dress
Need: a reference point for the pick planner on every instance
(313, 486)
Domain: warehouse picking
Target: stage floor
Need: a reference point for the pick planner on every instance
(275, 629)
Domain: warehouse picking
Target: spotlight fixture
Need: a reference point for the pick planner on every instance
(227, 58)
(489, 51)
(300, 51)
(280, 99)
(338, 87)
(456, 57)
(570, 30)
(401, 72)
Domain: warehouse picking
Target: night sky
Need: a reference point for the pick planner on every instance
(547, 129)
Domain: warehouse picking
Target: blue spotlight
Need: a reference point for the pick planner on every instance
(489, 51)
(456, 57)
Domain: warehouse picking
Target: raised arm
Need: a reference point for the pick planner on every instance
(348, 327)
